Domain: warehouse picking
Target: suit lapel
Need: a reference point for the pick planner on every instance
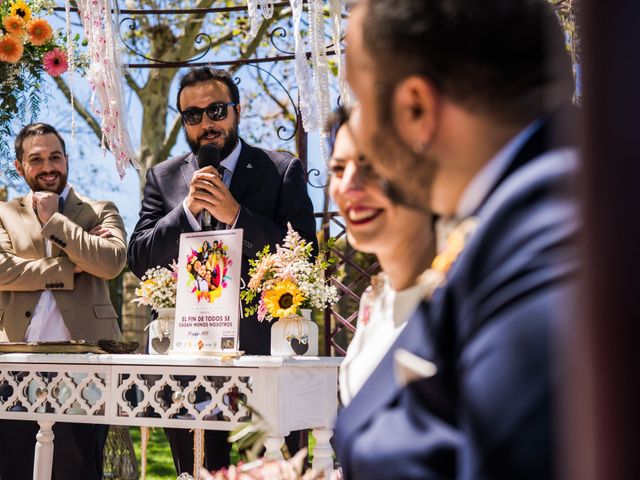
(188, 167)
(72, 206)
(31, 221)
(246, 169)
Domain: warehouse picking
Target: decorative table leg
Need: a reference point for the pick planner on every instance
(43, 461)
(322, 452)
(273, 447)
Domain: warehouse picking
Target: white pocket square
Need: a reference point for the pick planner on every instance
(408, 367)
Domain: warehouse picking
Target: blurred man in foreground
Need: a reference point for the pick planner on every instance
(460, 100)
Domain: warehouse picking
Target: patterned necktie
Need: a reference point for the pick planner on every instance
(224, 175)
(60, 204)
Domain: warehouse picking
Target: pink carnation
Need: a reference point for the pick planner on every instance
(55, 62)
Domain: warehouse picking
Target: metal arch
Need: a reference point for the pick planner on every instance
(281, 128)
(197, 40)
(279, 32)
(316, 173)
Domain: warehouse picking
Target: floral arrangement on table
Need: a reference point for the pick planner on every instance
(158, 287)
(29, 47)
(288, 280)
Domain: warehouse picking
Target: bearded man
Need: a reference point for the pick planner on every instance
(57, 251)
(259, 191)
(460, 101)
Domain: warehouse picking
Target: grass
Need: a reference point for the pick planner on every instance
(159, 459)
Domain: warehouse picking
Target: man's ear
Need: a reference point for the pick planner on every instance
(18, 166)
(415, 111)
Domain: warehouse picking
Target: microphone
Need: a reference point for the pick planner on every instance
(208, 155)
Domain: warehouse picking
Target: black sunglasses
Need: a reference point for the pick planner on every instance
(216, 112)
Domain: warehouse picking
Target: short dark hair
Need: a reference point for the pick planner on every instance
(206, 74)
(494, 56)
(32, 130)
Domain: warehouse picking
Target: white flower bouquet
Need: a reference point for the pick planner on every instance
(158, 288)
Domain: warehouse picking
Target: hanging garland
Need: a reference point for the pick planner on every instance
(105, 75)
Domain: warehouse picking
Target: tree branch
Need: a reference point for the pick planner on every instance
(255, 42)
(170, 140)
(133, 85)
(186, 48)
(77, 104)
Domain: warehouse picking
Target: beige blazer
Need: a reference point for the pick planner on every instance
(25, 271)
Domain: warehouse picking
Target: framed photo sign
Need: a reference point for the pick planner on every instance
(208, 293)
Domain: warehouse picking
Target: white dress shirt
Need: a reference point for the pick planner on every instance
(229, 163)
(382, 316)
(47, 323)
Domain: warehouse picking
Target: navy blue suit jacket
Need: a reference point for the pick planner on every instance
(488, 411)
(271, 190)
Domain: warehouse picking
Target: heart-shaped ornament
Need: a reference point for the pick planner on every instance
(299, 347)
(161, 345)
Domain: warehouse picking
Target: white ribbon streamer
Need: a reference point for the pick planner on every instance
(105, 76)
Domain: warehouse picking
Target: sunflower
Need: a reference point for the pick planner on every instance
(13, 24)
(40, 32)
(22, 10)
(11, 49)
(283, 299)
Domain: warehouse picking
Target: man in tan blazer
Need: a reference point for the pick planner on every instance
(57, 251)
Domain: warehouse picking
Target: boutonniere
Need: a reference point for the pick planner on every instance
(436, 275)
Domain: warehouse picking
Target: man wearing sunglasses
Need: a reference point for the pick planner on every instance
(257, 190)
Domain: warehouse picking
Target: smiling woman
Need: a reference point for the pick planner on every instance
(399, 236)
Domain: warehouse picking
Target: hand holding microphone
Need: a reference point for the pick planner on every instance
(208, 194)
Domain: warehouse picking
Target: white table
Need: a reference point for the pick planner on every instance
(289, 393)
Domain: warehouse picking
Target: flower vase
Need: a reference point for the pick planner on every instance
(295, 335)
(161, 331)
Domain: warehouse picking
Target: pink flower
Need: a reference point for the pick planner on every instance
(262, 308)
(55, 62)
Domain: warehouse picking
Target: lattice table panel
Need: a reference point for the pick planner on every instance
(31, 392)
(181, 396)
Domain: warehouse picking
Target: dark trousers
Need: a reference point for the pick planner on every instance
(216, 448)
(77, 452)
